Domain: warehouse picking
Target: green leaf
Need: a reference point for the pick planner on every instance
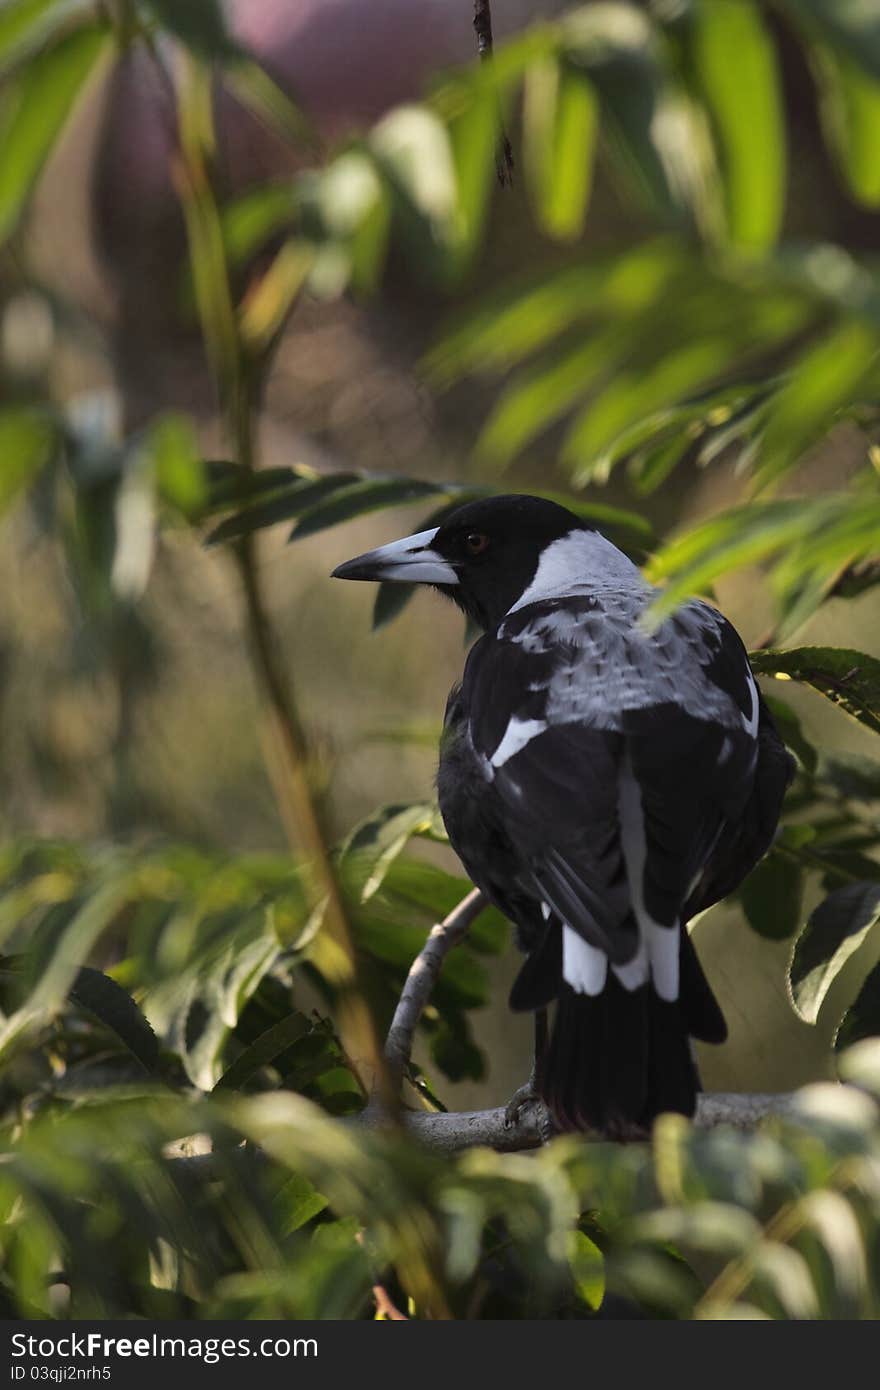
(376, 842)
(25, 23)
(255, 217)
(27, 441)
(617, 47)
(560, 123)
(260, 94)
(391, 599)
(587, 1269)
(850, 109)
(303, 492)
(802, 533)
(849, 679)
(828, 377)
(737, 72)
(270, 299)
(771, 897)
(358, 499)
(114, 1007)
(848, 27)
(295, 1203)
(263, 1051)
(862, 1018)
(181, 476)
(200, 25)
(39, 104)
(838, 927)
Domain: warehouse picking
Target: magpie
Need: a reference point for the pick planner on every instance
(602, 781)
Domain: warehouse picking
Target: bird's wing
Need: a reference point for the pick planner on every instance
(615, 758)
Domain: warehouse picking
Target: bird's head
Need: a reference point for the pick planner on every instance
(487, 555)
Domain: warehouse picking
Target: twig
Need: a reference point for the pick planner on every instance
(483, 29)
(421, 979)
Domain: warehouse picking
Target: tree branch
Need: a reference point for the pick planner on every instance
(449, 1133)
(483, 30)
(422, 977)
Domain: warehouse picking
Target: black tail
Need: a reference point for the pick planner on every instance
(618, 1059)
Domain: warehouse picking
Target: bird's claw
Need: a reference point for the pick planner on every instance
(522, 1098)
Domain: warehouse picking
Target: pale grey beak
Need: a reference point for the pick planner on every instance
(411, 560)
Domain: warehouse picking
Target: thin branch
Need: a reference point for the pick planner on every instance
(423, 975)
(483, 30)
(450, 1133)
(470, 1129)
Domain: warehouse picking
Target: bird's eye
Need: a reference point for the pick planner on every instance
(476, 542)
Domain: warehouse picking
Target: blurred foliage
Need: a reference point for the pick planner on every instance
(158, 998)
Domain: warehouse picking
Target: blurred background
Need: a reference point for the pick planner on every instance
(137, 720)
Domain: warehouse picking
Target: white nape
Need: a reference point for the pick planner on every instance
(580, 561)
(584, 967)
(518, 733)
(660, 942)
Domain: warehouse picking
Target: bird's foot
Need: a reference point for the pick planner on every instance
(522, 1098)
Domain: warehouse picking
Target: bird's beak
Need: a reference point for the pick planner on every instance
(411, 560)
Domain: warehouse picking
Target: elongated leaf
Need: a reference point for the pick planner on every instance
(830, 376)
(816, 530)
(771, 897)
(862, 1018)
(391, 599)
(296, 1203)
(737, 71)
(41, 100)
(560, 122)
(181, 474)
(303, 493)
(255, 217)
(27, 441)
(850, 679)
(25, 23)
(358, 499)
(199, 24)
(850, 111)
(271, 299)
(374, 845)
(850, 27)
(114, 1007)
(619, 51)
(838, 927)
(263, 1051)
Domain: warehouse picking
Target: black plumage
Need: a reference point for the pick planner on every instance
(601, 782)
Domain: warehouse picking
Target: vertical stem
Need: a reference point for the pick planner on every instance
(237, 381)
(483, 30)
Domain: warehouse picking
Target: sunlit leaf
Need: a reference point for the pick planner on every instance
(849, 679)
(850, 109)
(839, 926)
(560, 123)
(27, 441)
(38, 106)
(737, 70)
